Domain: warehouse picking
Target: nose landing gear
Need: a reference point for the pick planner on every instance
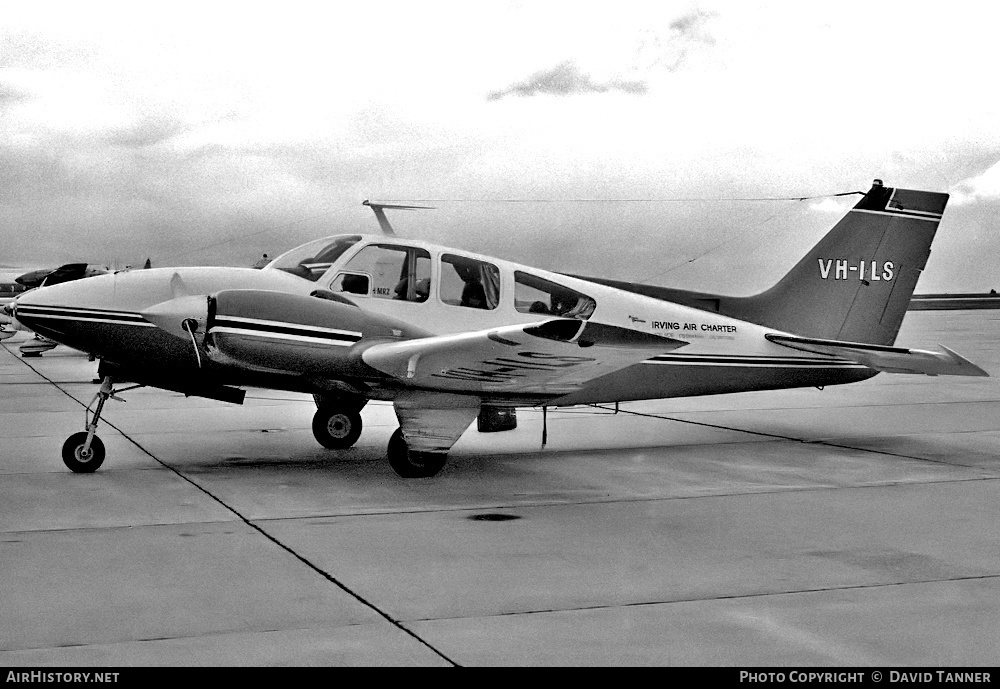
(83, 452)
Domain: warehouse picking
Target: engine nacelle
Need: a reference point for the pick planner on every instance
(275, 331)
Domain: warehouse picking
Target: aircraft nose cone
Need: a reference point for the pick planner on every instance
(179, 316)
(21, 307)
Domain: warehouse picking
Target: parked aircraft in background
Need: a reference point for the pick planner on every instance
(42, 278)
(8, 292)
(55, 276)
(448, 335)
(38, 278)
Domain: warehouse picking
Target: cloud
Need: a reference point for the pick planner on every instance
(16, 89)
(13, 93)
(179, 135)
(566, 79)
(692, 25)
(982, 186)
(654, 49)
(148, 131)
(669, 50)
(831, 205)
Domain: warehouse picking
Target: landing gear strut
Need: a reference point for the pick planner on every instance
(411, 464)
(83, 452)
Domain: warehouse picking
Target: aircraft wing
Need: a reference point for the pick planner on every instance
(551, 357)
(886, 359)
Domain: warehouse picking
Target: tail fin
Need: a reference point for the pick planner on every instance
(856, 284)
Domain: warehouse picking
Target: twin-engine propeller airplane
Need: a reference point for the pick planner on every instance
(448, 335)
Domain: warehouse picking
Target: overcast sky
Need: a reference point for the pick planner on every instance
(209, 133)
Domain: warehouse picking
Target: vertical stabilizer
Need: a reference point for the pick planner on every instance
(856, 284)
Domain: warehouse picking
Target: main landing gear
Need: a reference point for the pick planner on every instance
(336, 428)
(410, 463)
(83, 452)
(336, 425)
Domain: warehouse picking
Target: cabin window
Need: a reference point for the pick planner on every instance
(470, 283)
(311, 260)
(386, 271)
(533, 294)
(351, 283)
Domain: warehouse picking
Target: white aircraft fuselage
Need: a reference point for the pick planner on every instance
(448, 335)
(103, 315)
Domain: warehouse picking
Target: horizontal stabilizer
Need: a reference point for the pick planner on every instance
(395, 206)
(383, 221)
(886, 359)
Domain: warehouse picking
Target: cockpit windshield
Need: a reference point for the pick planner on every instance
(311, 260)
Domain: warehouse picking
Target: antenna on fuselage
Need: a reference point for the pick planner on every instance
(383, 221)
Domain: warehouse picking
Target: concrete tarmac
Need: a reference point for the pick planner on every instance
(854, 526)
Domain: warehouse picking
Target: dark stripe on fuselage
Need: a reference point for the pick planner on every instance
(274, 327)
(29, 312)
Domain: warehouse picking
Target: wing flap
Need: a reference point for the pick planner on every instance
(551, 357)
(886, 359)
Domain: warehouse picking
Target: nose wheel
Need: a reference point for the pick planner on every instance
(83, 452)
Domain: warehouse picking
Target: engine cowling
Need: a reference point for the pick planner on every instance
(312, 336)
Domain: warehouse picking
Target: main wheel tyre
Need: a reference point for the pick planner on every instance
(76, 459)
(410, 464)
(336, 428)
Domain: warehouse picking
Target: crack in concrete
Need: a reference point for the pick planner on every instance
(301, 558)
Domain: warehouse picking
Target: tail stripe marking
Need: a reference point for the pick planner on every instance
(916, 215)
